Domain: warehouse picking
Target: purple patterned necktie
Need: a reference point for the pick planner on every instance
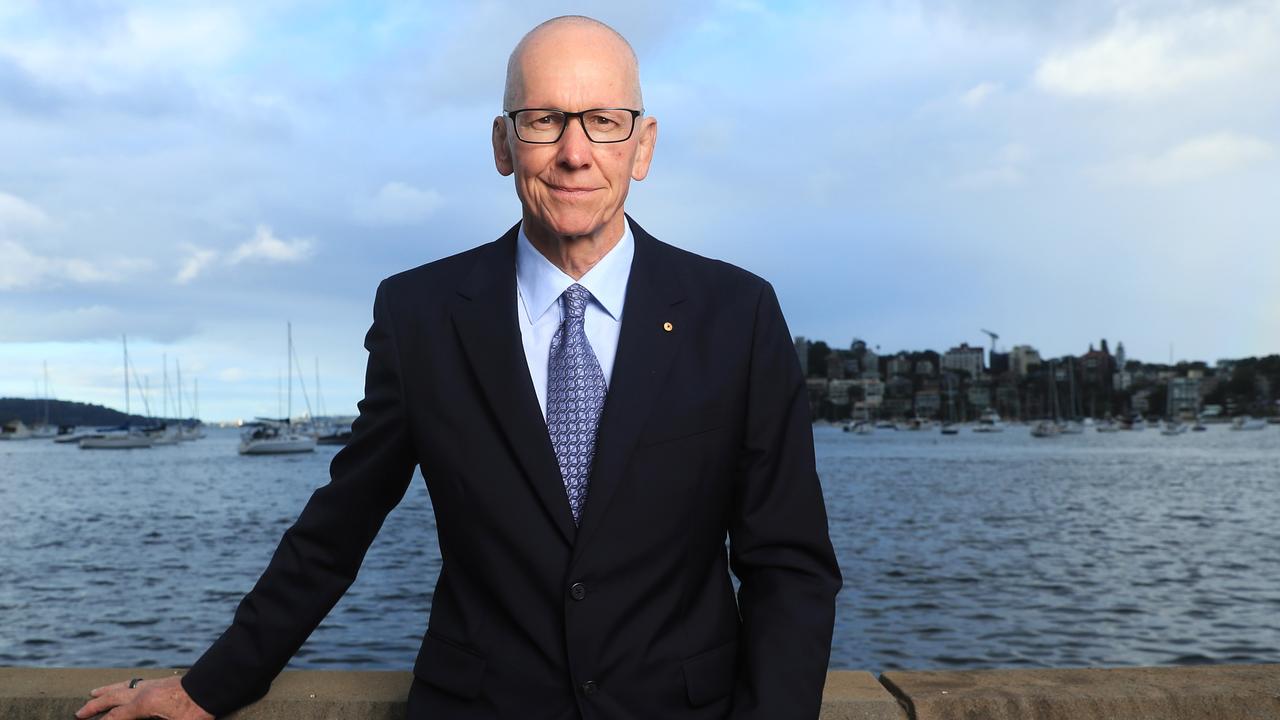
(575, 397)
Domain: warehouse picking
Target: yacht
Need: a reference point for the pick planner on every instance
(1244, 422)
(989, 422)
(1046, 429)
(274, 437)
(122, 438)
(15, 430)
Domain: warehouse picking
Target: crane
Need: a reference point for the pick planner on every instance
(994, 337)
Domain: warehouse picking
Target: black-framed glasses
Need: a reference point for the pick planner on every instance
(544, 126)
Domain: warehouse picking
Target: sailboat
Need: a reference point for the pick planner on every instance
(124, 437)
(269, 436)
(1049, 428)
(1073, 426)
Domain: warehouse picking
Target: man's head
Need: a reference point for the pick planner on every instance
(573, 187)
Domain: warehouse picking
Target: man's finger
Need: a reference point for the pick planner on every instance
(122, 685)
(104, 701)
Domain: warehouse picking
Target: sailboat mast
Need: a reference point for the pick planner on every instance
(178, 364)
(124, 341)
(289, 361)
(164, 393)
(46, 393)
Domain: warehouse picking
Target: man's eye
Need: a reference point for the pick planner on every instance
(544, 120)
(603, 121)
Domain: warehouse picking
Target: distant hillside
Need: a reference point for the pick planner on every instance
(62, 412)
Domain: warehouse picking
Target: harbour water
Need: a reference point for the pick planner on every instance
(963, 551)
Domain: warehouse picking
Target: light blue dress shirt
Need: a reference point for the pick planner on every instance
(539, 285)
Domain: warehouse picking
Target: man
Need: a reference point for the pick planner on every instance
(594, 412)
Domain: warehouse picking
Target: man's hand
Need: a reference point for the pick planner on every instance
(163, 698)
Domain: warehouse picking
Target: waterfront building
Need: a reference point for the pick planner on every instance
(872, 393)
(999, 363)
(839, 396)
(966, 358)
(802, 352)
(1022, 358)
(899, 366)
(925, 368)
(979, 395)
(928, 402)
(1184, 396)
(817, 390)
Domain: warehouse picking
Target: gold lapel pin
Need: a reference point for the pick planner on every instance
(667, 326)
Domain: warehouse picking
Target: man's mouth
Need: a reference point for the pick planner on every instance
(570, 191)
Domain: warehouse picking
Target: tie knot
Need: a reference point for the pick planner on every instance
(576, 298)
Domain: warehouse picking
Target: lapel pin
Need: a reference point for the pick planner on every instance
(667, 326)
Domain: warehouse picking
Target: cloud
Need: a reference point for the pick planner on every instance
(979, 93)
(1202, 157)
(20, 268)
(196, 262)
(18, 215)
(398, 203)
(266, 247)
(1144, 57)
(114, 52)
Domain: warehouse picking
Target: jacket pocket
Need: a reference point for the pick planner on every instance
(709, 676)
(449, 666)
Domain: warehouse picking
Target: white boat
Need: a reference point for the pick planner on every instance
(1046, 429)
(15, 430)
(1106, 426)
(277, 437)
(1173, 427)
(268, 437)
(1244, 422)
(989, 422)
(1071, 427)
(165, 436)
(124, 440)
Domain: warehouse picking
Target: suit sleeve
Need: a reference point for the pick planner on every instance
(780, 549)
(319, 556)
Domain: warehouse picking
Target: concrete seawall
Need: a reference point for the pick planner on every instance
(1217, 692)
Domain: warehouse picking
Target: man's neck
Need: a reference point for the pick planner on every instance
(574, 254)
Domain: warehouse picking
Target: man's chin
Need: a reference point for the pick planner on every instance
(573, 226)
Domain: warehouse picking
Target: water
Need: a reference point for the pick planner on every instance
(958, 552)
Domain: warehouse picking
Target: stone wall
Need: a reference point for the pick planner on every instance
(1216, 692)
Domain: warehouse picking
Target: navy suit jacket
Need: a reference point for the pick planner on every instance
(705, 436)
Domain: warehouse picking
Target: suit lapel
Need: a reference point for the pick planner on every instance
(485, 317)
(645, 351)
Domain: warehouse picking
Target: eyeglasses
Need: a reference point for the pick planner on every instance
(544, 126)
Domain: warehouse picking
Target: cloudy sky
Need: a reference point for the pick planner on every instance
(197, 174)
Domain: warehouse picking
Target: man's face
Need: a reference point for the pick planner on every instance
(574, 187)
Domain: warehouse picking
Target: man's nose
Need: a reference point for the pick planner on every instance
(574, 148)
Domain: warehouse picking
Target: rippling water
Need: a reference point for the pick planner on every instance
(965, 551)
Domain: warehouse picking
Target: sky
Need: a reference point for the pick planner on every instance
(197, 175)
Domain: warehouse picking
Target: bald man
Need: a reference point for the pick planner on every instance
(595, 412)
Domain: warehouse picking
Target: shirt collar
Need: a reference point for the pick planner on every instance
(541, 283)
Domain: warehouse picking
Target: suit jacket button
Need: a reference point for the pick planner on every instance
(590, 688)
(577, 591)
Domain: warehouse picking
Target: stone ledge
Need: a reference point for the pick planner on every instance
(56, 693)
(1203, 692)
(1208, 692)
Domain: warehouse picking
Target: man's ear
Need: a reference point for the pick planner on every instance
(648, 132)
(501, 148)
